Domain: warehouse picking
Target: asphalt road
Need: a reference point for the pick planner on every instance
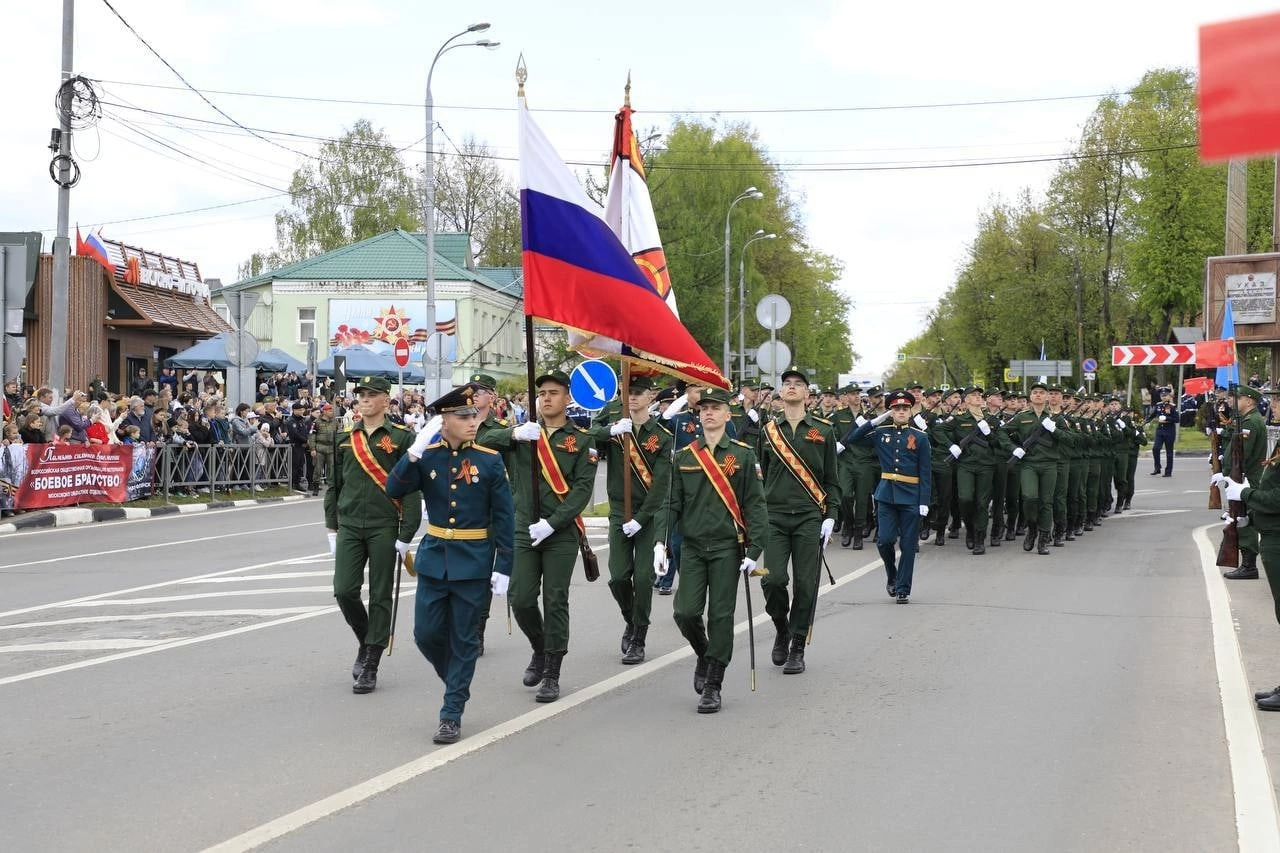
(183, 682)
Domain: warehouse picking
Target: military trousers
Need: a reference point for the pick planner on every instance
(941, 494)
(1270, 553)
(847, 477)
(1013, 497)
(545, 570)
(708, 583)
(1060, 486)
(866, 476)
(1039, 479)
(324, 468)
(1131, 466)
(1076, 474)
(999, 486)
(356, 548)
(631, 571)
(446, 630)
(1092, 485)
(900, 524)
(795, 538)
(1106, 478)
(974, 487)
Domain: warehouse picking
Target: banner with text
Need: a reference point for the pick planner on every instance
(64, 475)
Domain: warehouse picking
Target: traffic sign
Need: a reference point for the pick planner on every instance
(593, 384)
(773, 312)
(1090, 365)
(1031, 367)
(402, 352)
(773, 356)
(1009, 376)
(1089, 377)
(902, 356)
(1136, 355)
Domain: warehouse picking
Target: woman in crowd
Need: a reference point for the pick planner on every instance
(160, 428)
(32, 431)
(96, 432)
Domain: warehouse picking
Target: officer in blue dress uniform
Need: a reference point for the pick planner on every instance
(468, 548)
(902, 496)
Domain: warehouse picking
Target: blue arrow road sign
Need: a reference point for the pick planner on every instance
(1090, 365)
(593, 384)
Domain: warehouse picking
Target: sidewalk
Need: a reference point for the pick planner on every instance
(84, 515)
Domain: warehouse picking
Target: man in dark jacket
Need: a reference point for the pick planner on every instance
(297, 429)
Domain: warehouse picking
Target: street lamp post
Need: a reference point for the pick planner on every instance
(752, 193)
(429, 189)
(742, 301)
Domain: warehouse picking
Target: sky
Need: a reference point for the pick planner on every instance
(845, 96)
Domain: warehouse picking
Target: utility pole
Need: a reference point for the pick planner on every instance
(59, 309)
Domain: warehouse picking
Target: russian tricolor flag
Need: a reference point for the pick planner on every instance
(93, 248)
(577, 273)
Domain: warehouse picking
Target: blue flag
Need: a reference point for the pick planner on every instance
(1227, 376)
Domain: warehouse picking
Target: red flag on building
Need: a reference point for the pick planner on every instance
(1216, 353)
(1197, 385)
(1239, 100)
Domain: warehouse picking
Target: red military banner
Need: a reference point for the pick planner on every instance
(1239, 103)
(68, 474)
(1197, 385)
(1220, 353)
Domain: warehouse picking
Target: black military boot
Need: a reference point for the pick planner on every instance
(968, 538)
(635, 652)
(795, 658)
(997, 534)
(1010, 533)
(1042, 543)
(953, 532)
(779, 655)
(359, 664)
(627, 633)
(1079, 528)
(1019, 530)
(1058, 532)
(1071, 530)
(1029, 542)
(710, 701)
(1088, 523)
(550, 689)
(846, 535)
(533, 672)
(857, 540)
(1128, 503)
(700, 674)
(1248, 570)
(369, 672)
(940, 538)
(980, 547)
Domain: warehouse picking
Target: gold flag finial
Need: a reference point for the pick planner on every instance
(626, 90)
(522, 74)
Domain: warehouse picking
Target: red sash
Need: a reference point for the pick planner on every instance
(364, 455)
(794, 463)
(554, 476)
(719, 482)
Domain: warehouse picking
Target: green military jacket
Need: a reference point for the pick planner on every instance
(1049, 446)
(814, 441)
(653, 444)
(355, 499)
(574, 450)
(938, 427)
(701, 514)
(981, 450)
(1253, 432)
(324, 436)
(842, 424)
(860, 453)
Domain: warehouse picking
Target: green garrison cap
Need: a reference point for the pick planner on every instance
(374, 383)
(484, 380)
(716, 395)
(557, 376)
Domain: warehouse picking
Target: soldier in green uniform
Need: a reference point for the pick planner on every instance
(1013, 522)
(1066, 443)
(322, 441)
(366, 526)
(932, 420)
(484, 391)
(747, 416)
(798, 461)
(1122, 431)
(1132, 452)
(1253, 434)
(646, 458)
(718, 502)
(1000, 473)
(1034, 431)
(547, 541)
(841, 423)
(1261, 499)
(1072, 408)
(865, 469)
(1093, 467)
(977, 441)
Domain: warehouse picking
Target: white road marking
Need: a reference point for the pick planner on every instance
(82, 646)
(437, 758)
(1257, 821)
(174, 614)
(165, 599)
(273, 576)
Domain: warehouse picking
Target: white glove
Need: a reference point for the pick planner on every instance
(1234, 489)
(630, 528)
(622, 426)
(527, 431)
(924, 510)
(1019, 452)
(1121, 424)
(920, 422)
(419, 446)
(333, 543)
(540, 530)
(747, 565)
(881, 418)
(984, 427)
(754, 415)
(1208, 431)
(1162, 419)
(1242, 522)
(676, 407)
(1217, 478)
(1218, 430)
(498, 582)
(1048, 424)
(660, 560)
(839, 448)
(860, 420)
(828, 525)
(433, 426)
(955, 450)
(403, 548)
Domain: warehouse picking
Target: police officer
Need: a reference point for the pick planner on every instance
(297, 429)
(719, 507)
(1165, 414)
(1253, 435)
(547, 543)
(466, 554)
(902, 497)
(366, 526)
(798, 461)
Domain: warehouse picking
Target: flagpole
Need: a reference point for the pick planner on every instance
(535, 467)
(628, 440)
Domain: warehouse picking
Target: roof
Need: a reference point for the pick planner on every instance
(391, 256)
(168, 309)
(509, 279)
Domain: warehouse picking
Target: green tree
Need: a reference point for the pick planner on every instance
(474, 197)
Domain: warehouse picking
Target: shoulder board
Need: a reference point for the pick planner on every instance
(916, 430)
(688, 448)
(503, 422)
(484, 449)
(822, 420)
(740, 443)
(433, 445)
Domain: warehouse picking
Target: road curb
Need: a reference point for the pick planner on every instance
(72, 516)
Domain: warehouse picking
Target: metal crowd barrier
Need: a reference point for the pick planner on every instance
(214, 468)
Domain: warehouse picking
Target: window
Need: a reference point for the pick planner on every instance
(224, 313)
(306, 324)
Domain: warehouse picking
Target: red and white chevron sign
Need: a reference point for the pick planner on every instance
(1136, 355)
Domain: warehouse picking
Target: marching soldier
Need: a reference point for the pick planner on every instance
(1165, 414)
(646, 459)
(1078, 467)
(546, 546)
(1034, 431)
(1132, 452)
(976, 442)
(484, 390)
(798, 461)
(864, 470)
(1067, 441)
(466, 555)
(1000, 474)
(1014, 524)
(367, 526)
(1253, 434)
(937, 424)
(841, 423)
(1122, 431)
(719, 505)
(903, 493)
